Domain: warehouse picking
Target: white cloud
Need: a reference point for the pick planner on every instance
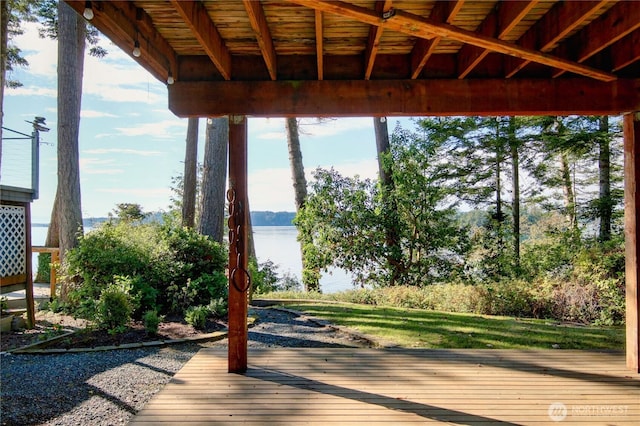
(33, 91)
(161, 130)
(143, 153)
(138, 192)
(95, 166)
(271, 189)
(95, 114)
(41, 53)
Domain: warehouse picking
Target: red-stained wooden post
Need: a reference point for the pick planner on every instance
(631, 226)
(238, 253)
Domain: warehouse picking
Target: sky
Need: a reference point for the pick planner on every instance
(131, 145)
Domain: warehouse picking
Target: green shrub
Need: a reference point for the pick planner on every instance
(115, 305)
(151, 322)
(170, 268)
(265, 278)
(43, 274)
(197, 316)
(219, 307)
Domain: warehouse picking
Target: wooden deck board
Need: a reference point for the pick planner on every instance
(395, 386)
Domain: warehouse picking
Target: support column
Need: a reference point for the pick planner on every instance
(631, 226)
(239, 281)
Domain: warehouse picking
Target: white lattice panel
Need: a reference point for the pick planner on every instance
(12, 241)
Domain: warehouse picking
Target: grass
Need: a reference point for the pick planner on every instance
(413, 328)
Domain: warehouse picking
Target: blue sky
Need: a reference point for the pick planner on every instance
(131, 144)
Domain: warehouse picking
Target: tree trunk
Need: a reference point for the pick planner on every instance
(310, 279)
(190, 174)
(71, 44)
(392, 238)
(567, 184)
(295, 161)
(515, 183)
(605, 206)
(4, 22)
(214, 179)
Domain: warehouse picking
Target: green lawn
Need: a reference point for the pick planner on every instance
(428, 329)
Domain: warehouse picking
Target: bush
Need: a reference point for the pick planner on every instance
(115, 306)
(151, 322)
(43, 274)
(197, 316)
(170, 268)
(219, 307)
(266, 279)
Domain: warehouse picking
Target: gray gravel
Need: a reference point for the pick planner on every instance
(108, 388)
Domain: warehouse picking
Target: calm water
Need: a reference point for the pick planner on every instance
(275, 243)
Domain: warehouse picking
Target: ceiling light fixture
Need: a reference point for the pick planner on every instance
(136, 49)
(88, 11)
(170, 79)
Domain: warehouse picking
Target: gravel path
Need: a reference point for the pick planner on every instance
(108, 388)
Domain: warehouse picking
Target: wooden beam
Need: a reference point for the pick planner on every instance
(619, 21)
(417, 26)
(261, 28)
(319, 44)
(631, 227)
(375, 33)
(626, 51)
(405, 97)
(122, 22)
(196, 17)
(238, 245)
(498, 23)
(561, 20)
(443, 11)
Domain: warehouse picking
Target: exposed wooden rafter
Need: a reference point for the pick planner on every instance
(626, 51)
(263, 34)
(375, 33)
(619, 21)
(123, 23)
(499, 23)
(443, 11)
(196, 17)
(405, 97)
(319, 44)
(561, 20)
(417, 26)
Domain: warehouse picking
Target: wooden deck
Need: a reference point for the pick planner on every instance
(399, 386)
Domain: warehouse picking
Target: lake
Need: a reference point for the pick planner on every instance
(275, 243)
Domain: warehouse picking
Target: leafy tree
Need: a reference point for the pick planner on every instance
(347, 219)
(129, 212)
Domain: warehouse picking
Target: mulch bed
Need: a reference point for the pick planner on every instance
(87, 337)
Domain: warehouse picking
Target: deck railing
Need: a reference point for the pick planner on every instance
(55, 257)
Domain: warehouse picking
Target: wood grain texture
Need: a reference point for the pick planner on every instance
(324, 386)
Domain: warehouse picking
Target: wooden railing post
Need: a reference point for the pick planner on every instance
(631, 226)
(238, 253)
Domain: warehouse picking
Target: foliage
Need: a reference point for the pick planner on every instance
(18, 12)
(115, 305)
(43, 273)
(151, 321)
(170, 268)
(197, 316)
(129, 212)
(265, 278)
(344, 220)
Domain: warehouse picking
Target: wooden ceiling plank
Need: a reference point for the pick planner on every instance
(561, 20)
(443, 11)
(261, 28)
(417, 26)
(122, 22)
(626, 51)
(405, 97)
(319, 44)
(375, 33)
(196, 17)
(619, 21)
(499, 23)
